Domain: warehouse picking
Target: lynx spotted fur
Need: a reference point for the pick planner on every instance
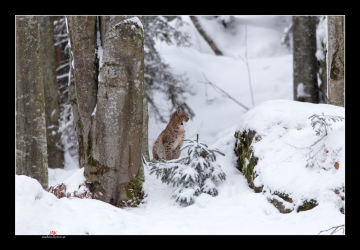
(167, 145)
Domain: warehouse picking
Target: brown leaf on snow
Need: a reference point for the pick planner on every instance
(59, 192)
(336, 165)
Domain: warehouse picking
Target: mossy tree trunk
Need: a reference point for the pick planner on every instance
(111, 135)
(31, 149)
(304, 59)
(336, 46)
(52, 109)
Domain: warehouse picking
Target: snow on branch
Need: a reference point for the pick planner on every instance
(193, 174)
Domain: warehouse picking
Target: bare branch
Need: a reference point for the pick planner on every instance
(224, 93)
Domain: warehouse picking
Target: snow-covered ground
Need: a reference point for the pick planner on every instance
(237, 210)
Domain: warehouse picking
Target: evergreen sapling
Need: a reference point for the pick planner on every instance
(193, 174)
(318, 155)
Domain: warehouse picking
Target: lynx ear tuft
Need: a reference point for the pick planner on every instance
(178, 110)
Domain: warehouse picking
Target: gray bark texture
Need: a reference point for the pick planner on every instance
(31, 146)
(110, 140)
(145, 132)
(52, 108)
(336, 48)
(83, 84)
(304, 60)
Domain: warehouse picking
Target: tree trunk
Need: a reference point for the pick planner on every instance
(145, 132)
(83, 84)
(109, 113)
(52, 109)
(322, 63)
(336, 44)
(304, 60)
(31, 146)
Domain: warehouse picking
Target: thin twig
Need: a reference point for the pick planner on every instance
(144, 162)
(310, 157)
(198, 130)
(336, 228)
(224, 93)
(248, 68)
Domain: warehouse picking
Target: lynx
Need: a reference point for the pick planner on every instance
(167, 145)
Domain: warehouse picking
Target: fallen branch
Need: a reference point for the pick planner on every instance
(336, 229)
(223, 92)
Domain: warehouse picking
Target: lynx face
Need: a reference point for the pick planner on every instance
(183, 117)
(167, 145)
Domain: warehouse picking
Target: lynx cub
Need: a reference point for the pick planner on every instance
(167, 145)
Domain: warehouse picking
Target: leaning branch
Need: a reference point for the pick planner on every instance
(205, 36)
(223, 92)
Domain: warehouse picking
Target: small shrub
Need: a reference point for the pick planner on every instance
(193, 174)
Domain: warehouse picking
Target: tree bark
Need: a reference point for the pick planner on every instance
(31, 146)
(83, 84)
(111, 135)
(205, 36)
(145, 131)
(336, 46)
(52, 109)
(304, 60)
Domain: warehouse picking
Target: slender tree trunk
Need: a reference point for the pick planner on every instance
(304, 60)
(31, 149)
(323, 68)
(52, 109)
(145, 132)
(109, 113)
(336, 47)
(83, 84)
(205, 36)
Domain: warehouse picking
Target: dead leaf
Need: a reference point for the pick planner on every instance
(336, 165)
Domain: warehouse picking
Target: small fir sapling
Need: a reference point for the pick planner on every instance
(321, 124)
(193, 174)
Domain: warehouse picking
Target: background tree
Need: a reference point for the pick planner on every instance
(52, 109)
(321, 33)
(107, 97)
(62, 61)
(304, 59)
(31, 148)
(336, 46)
(159, 78)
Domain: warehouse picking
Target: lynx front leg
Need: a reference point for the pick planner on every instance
(176, 152)
(168, 153)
